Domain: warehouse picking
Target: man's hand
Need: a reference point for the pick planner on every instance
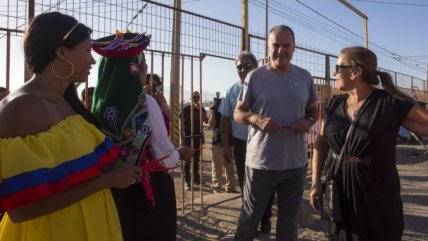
(227, 154)
(265, 123)
(302, 126)
(186, 153)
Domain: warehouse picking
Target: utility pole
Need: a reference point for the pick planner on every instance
(175, 75)
(31, 7)
(365, 18)
(245, 44)
(266, 27)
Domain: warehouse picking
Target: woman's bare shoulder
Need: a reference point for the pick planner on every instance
(22, 114)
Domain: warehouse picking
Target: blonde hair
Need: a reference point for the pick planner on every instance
(367, 61)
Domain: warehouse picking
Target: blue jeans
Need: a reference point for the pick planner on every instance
(259, 186)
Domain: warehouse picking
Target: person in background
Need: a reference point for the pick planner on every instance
(55, 174)
(3, 92)
(245, 62)
(367, 178)
(278, 102)
(153, 87)
(87, 102)
(196, 134)
(217, 152)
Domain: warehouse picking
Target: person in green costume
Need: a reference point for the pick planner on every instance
(147, 210)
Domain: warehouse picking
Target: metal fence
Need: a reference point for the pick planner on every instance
(199, 34)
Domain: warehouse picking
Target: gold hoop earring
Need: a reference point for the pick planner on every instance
(63, 77)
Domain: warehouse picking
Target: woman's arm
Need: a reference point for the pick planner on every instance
(318, 160)
(120, 177)
(160, 144)
(417, 120)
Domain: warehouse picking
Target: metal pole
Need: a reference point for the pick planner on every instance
(366, 34)
(245, 37)
(361, 14)
(267, 26)
(8, 60)
(201, 125)
(31, 7)
(182, 131)
(175, 75)
(327, 76)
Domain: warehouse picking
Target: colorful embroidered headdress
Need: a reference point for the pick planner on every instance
(121, 45)
(119, 86)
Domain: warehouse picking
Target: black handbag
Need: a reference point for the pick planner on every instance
(330, 204)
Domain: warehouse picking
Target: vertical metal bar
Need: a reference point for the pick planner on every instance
(182, 133)
(201, 152)
(31, 3)
(163, 78)
(151, 67)
(244, 21)
(175, 71)
(327, 76)
(192, 131)
(366, 33)
(30, 10)
(266, 26)
(8, 60)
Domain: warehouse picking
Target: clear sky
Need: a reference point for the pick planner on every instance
(397, 30)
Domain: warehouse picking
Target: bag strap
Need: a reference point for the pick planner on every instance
(351, 128)
(348, 134)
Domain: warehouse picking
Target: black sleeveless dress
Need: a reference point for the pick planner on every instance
(370, 189)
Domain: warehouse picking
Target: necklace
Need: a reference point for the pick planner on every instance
(354, 108)
(354, 114)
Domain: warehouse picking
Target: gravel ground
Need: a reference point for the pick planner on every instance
(216, 219)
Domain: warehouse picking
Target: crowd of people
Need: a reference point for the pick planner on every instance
(98, 167)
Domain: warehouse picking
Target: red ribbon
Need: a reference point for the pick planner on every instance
(155, 166)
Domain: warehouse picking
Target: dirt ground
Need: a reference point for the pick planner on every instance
(217, 217)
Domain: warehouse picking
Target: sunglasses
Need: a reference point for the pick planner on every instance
(243, 67)
(340, 68)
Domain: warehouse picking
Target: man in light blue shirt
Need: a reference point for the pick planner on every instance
(245, 62)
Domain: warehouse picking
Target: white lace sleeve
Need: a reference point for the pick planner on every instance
(160, 144)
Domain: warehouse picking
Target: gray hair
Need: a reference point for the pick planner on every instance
(247, 54)
(281, 28)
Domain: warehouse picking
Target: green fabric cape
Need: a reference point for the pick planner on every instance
(116, 93)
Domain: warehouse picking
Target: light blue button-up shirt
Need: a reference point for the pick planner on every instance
(227, 107)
